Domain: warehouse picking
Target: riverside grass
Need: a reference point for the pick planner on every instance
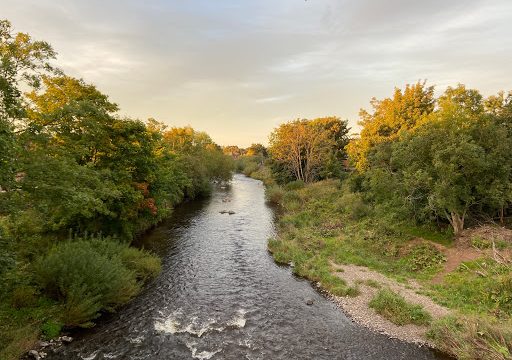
(324, 222)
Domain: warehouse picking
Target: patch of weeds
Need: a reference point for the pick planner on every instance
(422, 257)
(482, 286)
(372, 283)
(51, 329)
(481, 243)
(396, 309)
(473, 337)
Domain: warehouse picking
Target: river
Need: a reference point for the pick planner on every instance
(221, 296)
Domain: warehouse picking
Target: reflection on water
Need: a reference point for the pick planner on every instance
(220, 296)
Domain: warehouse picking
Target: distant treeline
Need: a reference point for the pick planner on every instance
(77, 184)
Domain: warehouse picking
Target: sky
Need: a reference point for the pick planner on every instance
(238, 68)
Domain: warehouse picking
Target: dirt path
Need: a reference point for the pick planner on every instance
(454, 257)
(357, 307)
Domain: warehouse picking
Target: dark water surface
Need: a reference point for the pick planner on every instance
(221, 296)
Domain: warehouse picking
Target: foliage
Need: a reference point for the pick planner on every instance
(397, 310)
(423, 257)
(70, 164)
(308, 150)
(274, 194)
(391, 116)
(472, 337)
(85, 280)
(51, 329)
(448, 162)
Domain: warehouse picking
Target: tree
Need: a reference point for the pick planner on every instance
(22, 61)
(304, 147)
(457, 164)
(391, 116)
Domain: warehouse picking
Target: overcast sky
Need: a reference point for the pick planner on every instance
(238, 68)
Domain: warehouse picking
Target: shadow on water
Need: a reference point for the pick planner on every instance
(221, 296)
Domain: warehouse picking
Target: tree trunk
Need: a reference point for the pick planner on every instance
(457, 223)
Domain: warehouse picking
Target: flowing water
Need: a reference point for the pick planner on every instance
(221, 296)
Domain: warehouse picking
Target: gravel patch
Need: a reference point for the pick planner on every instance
(358, 310)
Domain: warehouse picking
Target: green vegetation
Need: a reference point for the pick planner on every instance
(397, 310)
(71, 166)
(424, 169)
(470, 337)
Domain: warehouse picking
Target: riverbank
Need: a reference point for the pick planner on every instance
(416, 284)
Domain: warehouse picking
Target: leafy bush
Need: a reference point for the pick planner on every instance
(471, 337)
(145, 265)
(250, 167)
(396, 309)
(354, 205)
(51, 329)
(85, 280)
(424, 256)
(500, 293)
(295, 185)
(274, 194)
(23, 296)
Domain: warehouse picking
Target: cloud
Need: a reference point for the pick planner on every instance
(232, 67)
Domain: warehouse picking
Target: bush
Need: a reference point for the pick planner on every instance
(51, 329)
(85, 280)
(23, 296)
(424, 256)
(471, 337)
(145, 265)
(354, 205)
(397, 310)
(295, 185)
(275, 194)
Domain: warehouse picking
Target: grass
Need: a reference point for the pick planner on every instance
(473, 337)
(21, 328)
(396, 309)
(324, 222)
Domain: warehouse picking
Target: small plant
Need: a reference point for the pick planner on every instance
(51, 329)
(23, 296)
(295, 185)
(274, 194)
(354, 205)
(396, 309)
(424, 256)
(372, 283)
(481, 243)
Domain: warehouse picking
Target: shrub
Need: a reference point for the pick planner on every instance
(85, 280)
(500, 293)
(51, 329)
(471, 337)
(295, 185)
(23, 296)
(354, 205)
(275, 194)
(145, 265)
(250, 168)
(424, 256)
(396, 309)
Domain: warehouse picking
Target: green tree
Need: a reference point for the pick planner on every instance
(22, 61)
(390, 117)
